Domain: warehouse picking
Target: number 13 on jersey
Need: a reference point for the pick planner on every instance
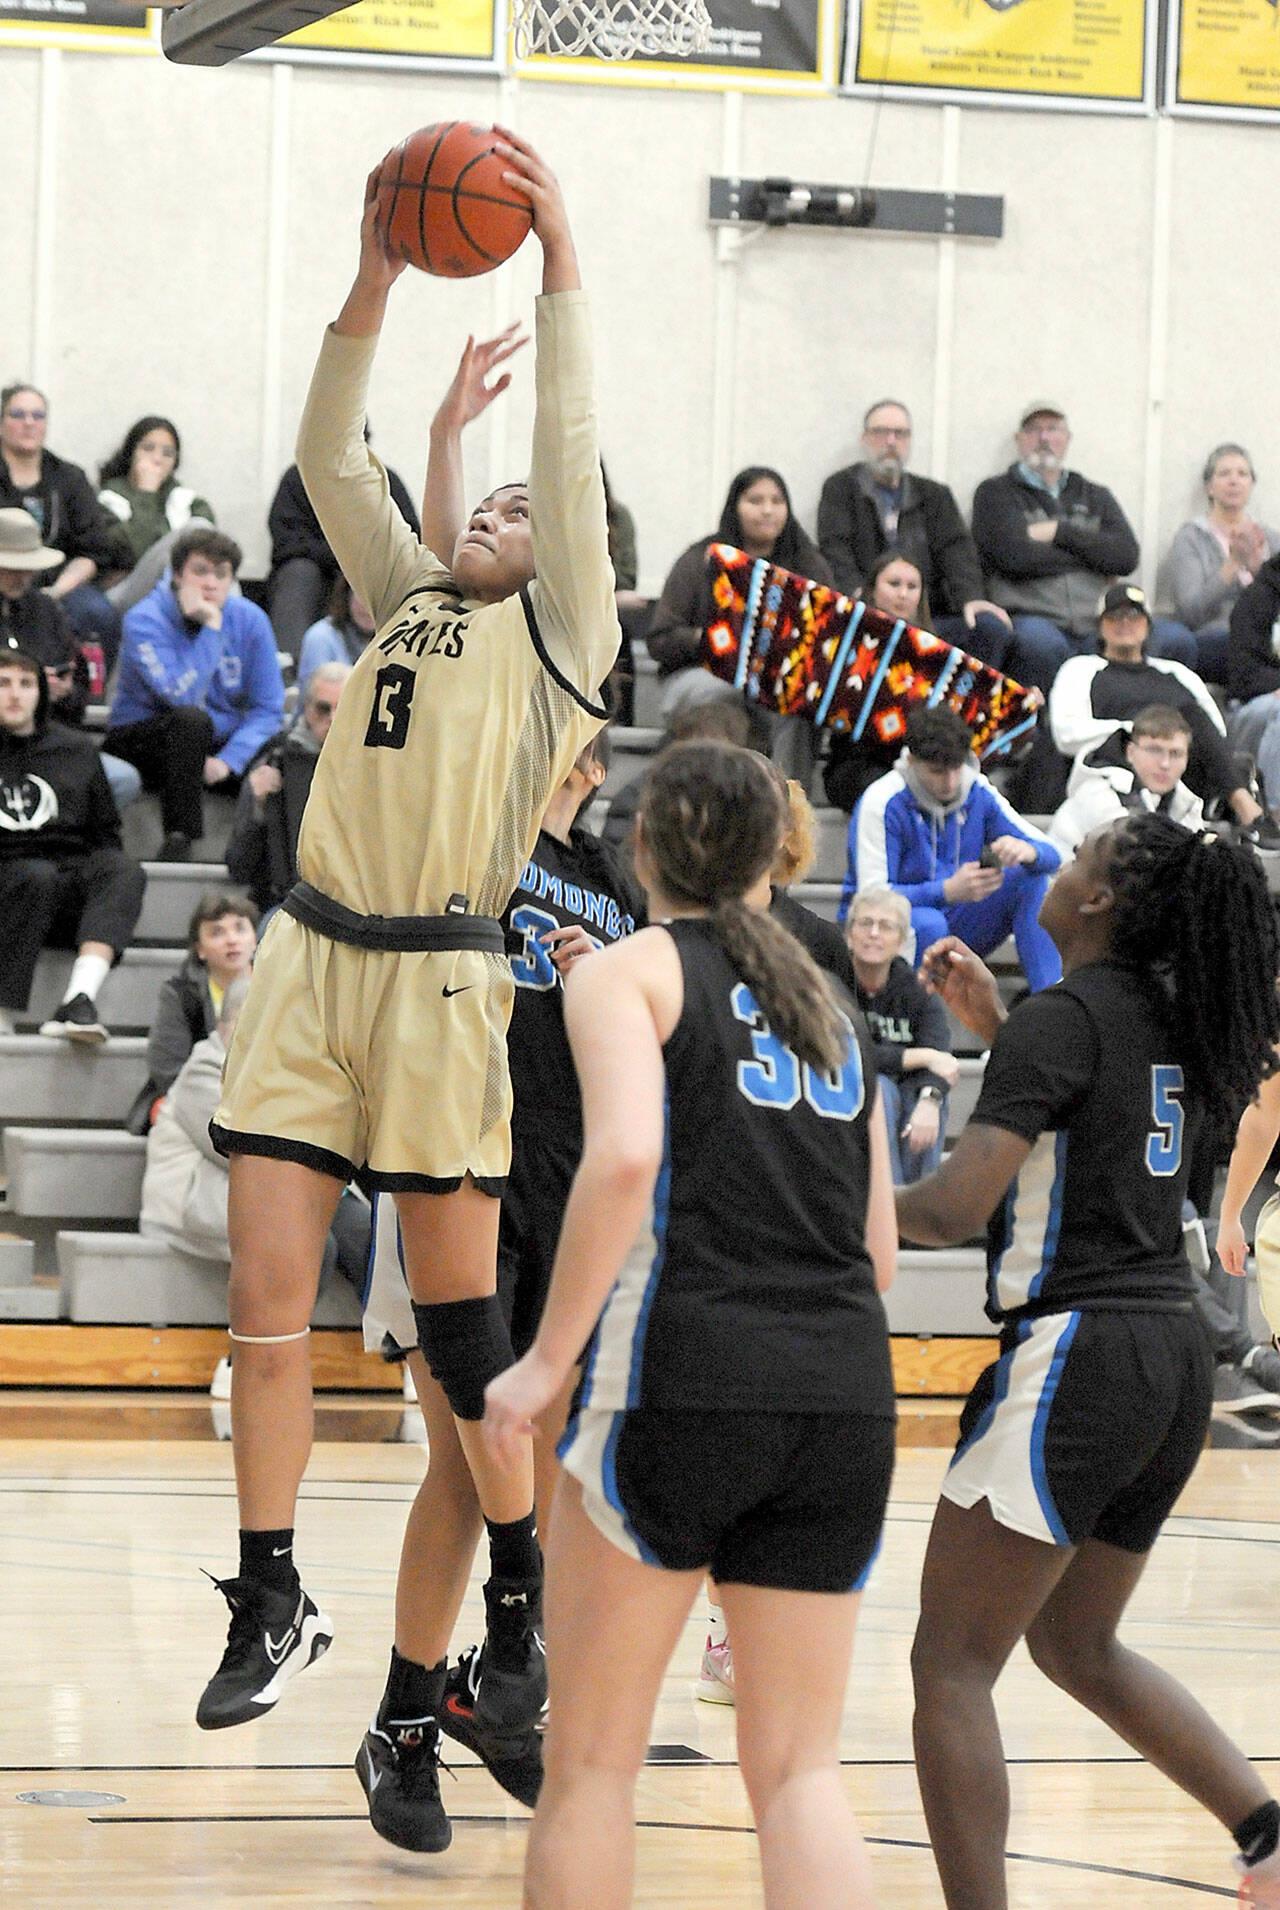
(777, 1077)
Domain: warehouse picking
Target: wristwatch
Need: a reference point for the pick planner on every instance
(929, 1093)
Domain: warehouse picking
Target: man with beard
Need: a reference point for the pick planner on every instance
(878, 505)
(1051, 541)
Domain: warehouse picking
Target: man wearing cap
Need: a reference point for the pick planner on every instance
(65, 880)
(1050, 539)
(878, 505)
(34, 622)
(1094, 695)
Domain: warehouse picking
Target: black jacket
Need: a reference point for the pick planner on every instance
(1061, 580)
(687, 604)
(1253, 668)
(55, 801)
(295, 528)
(262, 851)
(64, 505)
(931, 533)
(37, 623)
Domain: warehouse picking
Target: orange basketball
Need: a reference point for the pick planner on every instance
(443, 204)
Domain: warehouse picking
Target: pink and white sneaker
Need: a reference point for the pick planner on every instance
(715, 1686)
(1260, 1883)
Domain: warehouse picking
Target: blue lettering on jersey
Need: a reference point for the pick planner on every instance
(1164, 1144)
(573, 899)
(775, 1078)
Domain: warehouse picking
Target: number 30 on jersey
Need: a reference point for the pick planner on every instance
(777, 1077)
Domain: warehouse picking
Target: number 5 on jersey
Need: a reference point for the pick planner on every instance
(776, 1078)
(1164, 1144)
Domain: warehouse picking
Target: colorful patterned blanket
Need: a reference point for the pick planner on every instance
(803, 650)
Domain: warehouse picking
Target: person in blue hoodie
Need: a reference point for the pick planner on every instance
(940, 834)
(199, 690)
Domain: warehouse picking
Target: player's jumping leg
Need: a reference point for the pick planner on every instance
(279, 1215)
(493, 1699)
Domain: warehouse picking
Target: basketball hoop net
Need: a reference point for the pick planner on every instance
(611, 29)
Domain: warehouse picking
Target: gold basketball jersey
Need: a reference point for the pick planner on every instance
(460, 718)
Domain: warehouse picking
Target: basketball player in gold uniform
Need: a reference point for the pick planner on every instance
(373, 1039)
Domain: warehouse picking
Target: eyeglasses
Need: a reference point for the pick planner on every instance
(27, 417)
(886, 926)
(324, 709)
(887, 431)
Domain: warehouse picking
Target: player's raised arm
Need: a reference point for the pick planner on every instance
(376, 551)
(573, 592)
(444, 502)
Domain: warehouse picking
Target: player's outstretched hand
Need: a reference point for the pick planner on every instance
(531, 175)
(513, 1401)
(470, 393)
(966, 985)
(378, 271)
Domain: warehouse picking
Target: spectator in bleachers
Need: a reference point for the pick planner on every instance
(877, 506)
(1214, 557)
(185, 1182)
(910, 1030)
(303, 568)
(634, 609)
(1253, 675)
(58, 495)
(1094, 695)
(1140, 765)
(65, 881)
(966, 861)
(34, 622)
(222, 940)
(341, 636)
(147, 506)
(262, 851)
(200, 689)
(757, 518)
(1049, 538)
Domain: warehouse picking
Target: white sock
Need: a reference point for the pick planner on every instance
(6, 1021)
(88, 972)
(717, 1630)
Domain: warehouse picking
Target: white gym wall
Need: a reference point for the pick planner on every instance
(174, 239)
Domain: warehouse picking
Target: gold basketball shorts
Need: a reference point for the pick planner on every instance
(387, 1067)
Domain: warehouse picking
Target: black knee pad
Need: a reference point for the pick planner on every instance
(466, 1343)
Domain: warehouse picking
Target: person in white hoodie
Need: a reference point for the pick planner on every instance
(1139, 766)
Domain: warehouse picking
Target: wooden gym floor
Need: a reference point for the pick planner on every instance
(110, 1631)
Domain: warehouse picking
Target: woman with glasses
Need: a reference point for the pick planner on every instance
(58, 495)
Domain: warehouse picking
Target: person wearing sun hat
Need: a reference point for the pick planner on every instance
(34, 622)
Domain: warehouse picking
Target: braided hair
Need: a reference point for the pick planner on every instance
(1195, 910)
(712, 821)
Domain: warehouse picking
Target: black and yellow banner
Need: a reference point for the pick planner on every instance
(1224, 57)
(781, 46)
(77, 23)
(438, 30)
(1057, 52)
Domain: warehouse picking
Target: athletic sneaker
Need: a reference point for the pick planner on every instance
(1262, 1364)
(494, 1713)
(399, 1767)
(272, 1636)
(715, 1685)
(77, 1020)
(1236, 1390)
(1260, 1883)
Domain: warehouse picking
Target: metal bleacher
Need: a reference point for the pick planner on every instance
(69, 1245)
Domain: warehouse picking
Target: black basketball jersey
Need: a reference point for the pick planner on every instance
(761, 1294)
(562, 884)
(1086, 1072)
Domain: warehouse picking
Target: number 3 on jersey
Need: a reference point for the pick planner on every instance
(393, 689)
(776, 1078)
(1164, 1144)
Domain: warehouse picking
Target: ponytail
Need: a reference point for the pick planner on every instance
(790, 989)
